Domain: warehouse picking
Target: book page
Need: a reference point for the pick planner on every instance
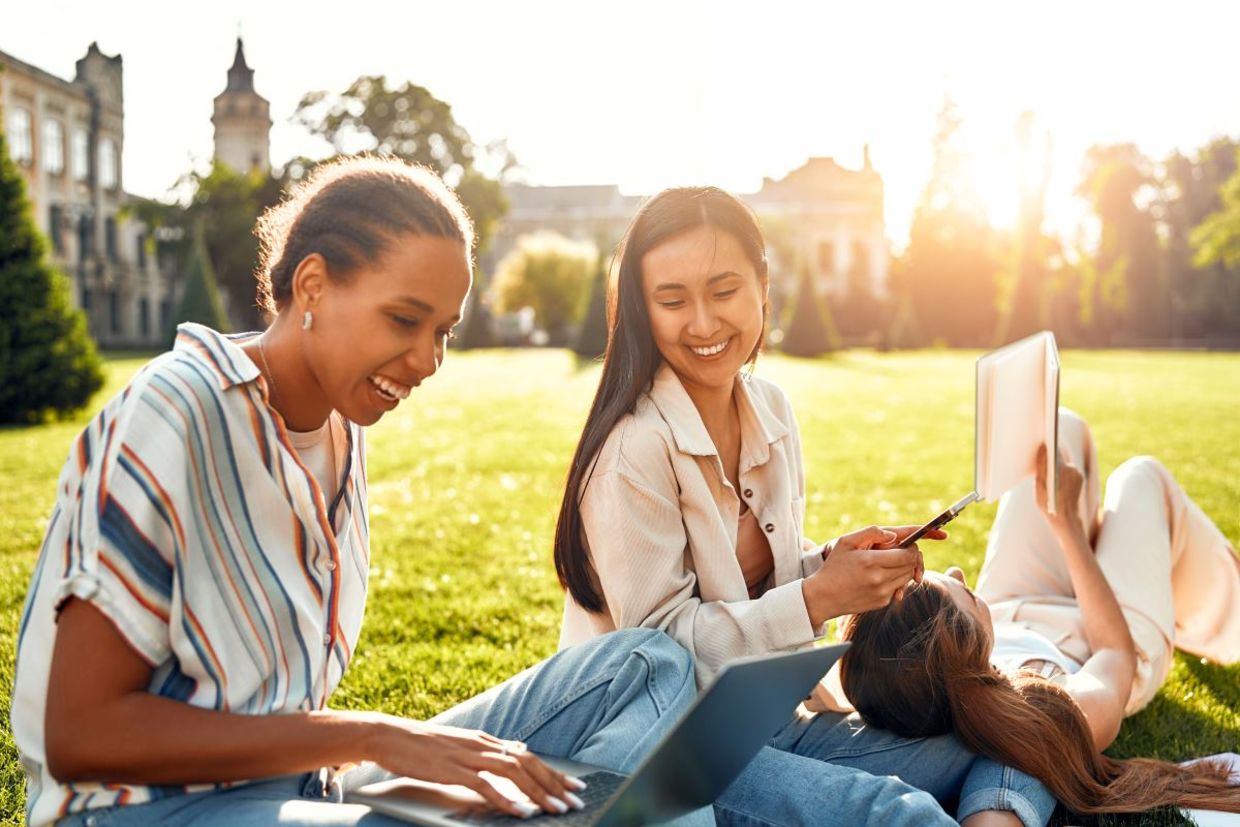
(1016, 414)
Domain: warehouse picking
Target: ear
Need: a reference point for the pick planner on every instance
(309, 282)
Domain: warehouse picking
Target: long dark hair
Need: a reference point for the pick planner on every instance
(631, 358)
(920, 667)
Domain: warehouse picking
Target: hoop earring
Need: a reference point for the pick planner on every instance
(307, 321)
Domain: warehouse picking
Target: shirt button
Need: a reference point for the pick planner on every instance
(331, 565)
(91, 821)
(748, 493)
(327, 640)
(770, 527)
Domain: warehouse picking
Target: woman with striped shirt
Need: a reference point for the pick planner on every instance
(202, 580)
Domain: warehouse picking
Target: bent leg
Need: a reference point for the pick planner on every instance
(941, 766)
(780, 788)
(1023, 557)
(1172, 571)
(606, 701)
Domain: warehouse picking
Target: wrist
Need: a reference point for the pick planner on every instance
(372, 732)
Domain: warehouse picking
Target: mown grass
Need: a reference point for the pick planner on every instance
(466, 479)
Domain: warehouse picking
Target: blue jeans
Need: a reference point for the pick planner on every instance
(942, 766)
(605, 702)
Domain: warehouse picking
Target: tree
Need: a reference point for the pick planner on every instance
(592, 337)
(411, 123)
(48, 362)
(1128, 295)
(476, 329)
(811, 332)
(861, 312)
(200, 301)
(952, 264)
(1024, 308)
(550, 274)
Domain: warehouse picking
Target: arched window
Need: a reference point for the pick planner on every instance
(80, 154)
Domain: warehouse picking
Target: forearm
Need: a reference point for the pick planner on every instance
(144, 739)
(1102, 617)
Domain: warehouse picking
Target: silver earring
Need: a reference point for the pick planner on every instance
(307, 321)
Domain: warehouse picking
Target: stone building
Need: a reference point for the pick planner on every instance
(820, 215)
(67, 138)
(242, 120)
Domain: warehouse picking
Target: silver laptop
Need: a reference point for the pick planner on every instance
(746, 704)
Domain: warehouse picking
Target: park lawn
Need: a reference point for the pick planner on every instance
(466, 477)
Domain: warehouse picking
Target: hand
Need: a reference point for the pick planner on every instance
(1069, 482)
(449, 755)
(861, 571)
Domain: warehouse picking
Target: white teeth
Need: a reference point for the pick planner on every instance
(712, 350)
(389, 389)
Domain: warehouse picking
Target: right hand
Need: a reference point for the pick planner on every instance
(1068, 483)
(450, 755)
(860, 573)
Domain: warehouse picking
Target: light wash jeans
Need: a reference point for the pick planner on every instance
(606, 702)
(942, 766)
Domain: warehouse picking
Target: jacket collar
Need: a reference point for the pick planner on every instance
(219, 354)
(759, 426)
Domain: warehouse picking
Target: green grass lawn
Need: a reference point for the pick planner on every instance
(466, 477)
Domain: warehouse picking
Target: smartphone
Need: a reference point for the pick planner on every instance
(939, 521)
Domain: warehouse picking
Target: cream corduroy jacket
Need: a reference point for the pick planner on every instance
(660, 520)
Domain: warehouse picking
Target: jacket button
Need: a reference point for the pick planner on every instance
(770, 527)
(748, 493)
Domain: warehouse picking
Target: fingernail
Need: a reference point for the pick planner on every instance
(577, 803)
(576, 783)
(526, 808)
(557, 805)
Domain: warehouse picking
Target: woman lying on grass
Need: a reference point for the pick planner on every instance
(684, 506)
(1072, 627)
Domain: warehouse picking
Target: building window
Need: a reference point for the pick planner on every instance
(53, 147)
(87, 298)
(109, 237)
(84, 231)
(21, 142)
(108, 172)
(144, 317)
(81, 155)
(141, 252)
(55, 227)
(165, 314)
(114, 311)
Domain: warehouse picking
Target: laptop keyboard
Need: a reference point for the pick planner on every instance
(601, 786)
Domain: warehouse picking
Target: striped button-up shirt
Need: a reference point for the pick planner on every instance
(185, 516)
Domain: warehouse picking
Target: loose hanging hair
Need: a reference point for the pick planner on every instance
(920, 667)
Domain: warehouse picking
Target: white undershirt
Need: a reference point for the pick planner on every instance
(317, 453)
(1016, 645)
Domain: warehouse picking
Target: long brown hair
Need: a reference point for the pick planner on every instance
(631, 358)
(919, 667)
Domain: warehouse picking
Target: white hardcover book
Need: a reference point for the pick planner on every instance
(1016, 413)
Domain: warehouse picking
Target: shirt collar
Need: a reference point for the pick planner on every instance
(219, 354)
(759, 426)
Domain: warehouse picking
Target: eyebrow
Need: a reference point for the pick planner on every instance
(423, 306)
(672, 285)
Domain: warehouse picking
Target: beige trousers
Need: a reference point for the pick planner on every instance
(1173, 572)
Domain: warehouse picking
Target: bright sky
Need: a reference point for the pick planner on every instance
(653, 93)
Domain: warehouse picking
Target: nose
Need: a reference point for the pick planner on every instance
(955, 572)
(704, 323)
(424, 359)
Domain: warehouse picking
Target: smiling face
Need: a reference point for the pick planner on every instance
(383, 330)
(952, 582)
(705, 301)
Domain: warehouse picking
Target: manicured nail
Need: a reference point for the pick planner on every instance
(576, 783)
(526, 808)
(557, 805)
(577, 803)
